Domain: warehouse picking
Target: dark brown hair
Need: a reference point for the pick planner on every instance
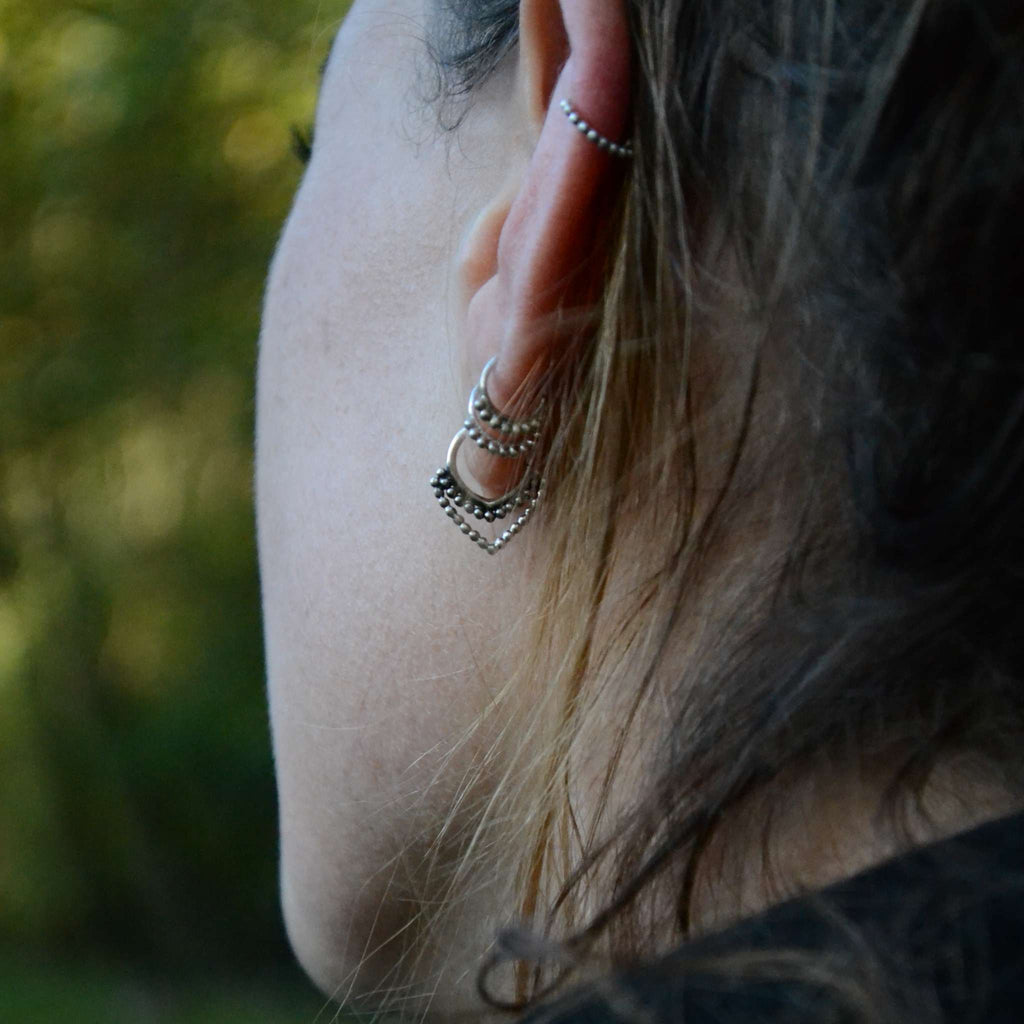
(859, 167)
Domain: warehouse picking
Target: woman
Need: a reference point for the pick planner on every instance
(745, 277)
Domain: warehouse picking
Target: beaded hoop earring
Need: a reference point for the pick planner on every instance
(591, 134)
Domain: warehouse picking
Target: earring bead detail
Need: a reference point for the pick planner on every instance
(495, 432)
(589, 132)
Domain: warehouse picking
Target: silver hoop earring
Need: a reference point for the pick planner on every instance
(506, 438)
(591, 134)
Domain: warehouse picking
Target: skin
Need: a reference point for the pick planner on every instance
(408, 260)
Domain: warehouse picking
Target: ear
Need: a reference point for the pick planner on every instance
(537, 241)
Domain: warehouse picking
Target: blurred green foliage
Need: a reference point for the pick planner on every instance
(145, 170)
(92, 994)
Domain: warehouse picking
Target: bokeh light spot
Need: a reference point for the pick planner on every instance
(152, 497)
(243, 69)
(256, 142)
(86, 44)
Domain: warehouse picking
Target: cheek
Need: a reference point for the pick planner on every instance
(355, 639)
(353, 332)
(377, 662)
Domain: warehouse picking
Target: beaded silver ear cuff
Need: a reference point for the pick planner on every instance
(498, 435)
(589, 132)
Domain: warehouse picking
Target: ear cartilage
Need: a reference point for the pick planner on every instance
(591, 134)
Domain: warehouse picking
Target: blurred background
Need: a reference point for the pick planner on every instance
(146, 166)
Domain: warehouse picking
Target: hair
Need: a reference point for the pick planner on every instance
(806, 379)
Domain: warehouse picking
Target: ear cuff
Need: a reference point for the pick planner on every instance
(591, 134)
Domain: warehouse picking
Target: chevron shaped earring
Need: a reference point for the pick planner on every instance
(503, 437)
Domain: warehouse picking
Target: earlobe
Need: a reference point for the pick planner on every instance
(539, 248)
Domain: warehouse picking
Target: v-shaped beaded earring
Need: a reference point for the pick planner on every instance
(501, 436)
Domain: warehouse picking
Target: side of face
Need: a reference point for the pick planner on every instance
(381, 621)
